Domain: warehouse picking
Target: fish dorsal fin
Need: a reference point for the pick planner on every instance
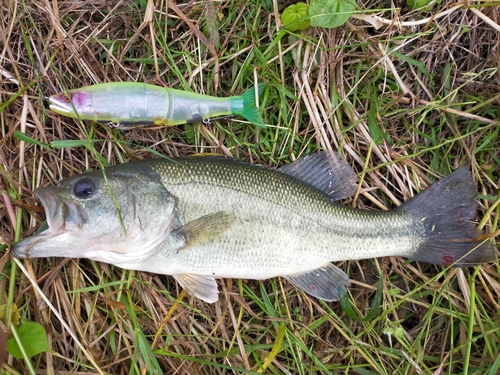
(327, 283)
(326, 171)
(200, 286)
(200, 231)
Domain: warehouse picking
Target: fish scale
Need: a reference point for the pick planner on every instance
(305, 222)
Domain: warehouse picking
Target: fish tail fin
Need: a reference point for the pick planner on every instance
(445, 208)
(249, 109)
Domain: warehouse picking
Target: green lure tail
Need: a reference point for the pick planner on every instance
(245, 105)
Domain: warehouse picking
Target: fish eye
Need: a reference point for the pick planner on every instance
(84, 188)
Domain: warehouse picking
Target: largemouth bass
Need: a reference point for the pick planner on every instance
(211, 217)
(126, 105)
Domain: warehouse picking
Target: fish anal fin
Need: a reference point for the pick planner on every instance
(200, 286)
(201, 231)
(326, 171)
(327, 283)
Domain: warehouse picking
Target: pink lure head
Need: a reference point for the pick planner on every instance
(75, 104)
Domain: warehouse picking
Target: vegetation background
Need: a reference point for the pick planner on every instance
(405, 104)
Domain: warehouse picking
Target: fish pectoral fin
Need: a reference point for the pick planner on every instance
(200, 231)
(327, 283)
(200, 286)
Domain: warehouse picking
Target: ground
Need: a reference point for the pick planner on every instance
(405, 104)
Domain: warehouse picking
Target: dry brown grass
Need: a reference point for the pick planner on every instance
(322, 86)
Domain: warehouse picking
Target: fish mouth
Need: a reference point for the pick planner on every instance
(62, 215)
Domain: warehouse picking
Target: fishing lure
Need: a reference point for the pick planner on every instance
(126, 105)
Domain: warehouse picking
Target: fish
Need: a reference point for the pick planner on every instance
(128, 105)
(203, 218)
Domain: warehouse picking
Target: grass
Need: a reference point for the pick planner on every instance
(405, 104)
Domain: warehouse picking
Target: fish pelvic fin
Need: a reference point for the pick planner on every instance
(327, 283)
(249, 109)
(200, 286)
(450, 238)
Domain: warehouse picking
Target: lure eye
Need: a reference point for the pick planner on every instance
(84, 188)
(66, 98)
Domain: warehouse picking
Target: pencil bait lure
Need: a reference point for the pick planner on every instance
(127, 105)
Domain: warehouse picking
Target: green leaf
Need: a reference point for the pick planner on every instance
(147, 353)
(423, 5)
(20, 136)
(33, 339)
(66, 143)
(331, 13)
(348, 308)
(419, 65)
(189, 133)
(296, 17)
(377, 303)
(376, 132)
(44, 226)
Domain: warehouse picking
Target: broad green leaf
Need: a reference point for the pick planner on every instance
(331, 13)
(33, 339)
(296, 17)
